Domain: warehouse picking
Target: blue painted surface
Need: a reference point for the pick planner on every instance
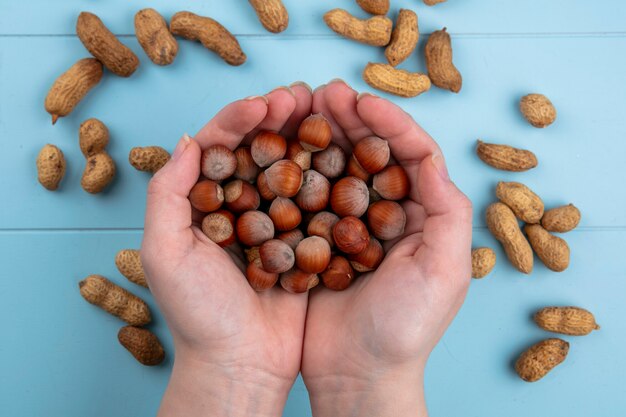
(59, 356)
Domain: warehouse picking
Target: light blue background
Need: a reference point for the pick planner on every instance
(59, 356)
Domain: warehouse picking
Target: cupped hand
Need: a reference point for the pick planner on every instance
(234, 346)
(365, 348)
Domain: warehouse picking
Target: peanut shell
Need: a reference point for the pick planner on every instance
(561, 219)
(50, 167)
(503, 224)
(114, 299)
(155, 37)
(143, 344)
(374, 6)
(483, 261)
(433, 2)
(538, 110)
(402, 83)
(506, 157)
(272, 14)
(574, 321)
(403, 38)
(72, 86)
(99, 172)
(93, 137)
(552, 250)
(526, 205)
(210, 33)
(149, 158)
(441, 70)
(541, 358)
(104, 46)
(373, 31)
(128, 262)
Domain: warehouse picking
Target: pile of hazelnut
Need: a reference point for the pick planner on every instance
(301, 208)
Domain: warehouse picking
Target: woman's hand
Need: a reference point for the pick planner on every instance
(365, 348)
(237, 351)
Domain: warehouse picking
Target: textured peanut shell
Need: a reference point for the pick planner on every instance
(99, 172)
(541, 358)
(403, 38)
(552, 250)
(441, 70)
(402, 83)
(526, 205)
(50, 167)
(374, 6)
(210, 33)
(574, 321)
(115, 300)
(373, 31)
(502, 223)
(104, 46)
(93, 137)
(155, 37)
(433, 2)
(538, 110)
(272, 14)
(128, 262)
(72, 86)
(142, 344)
(561, 219)
(506, 157)
(483, 261)
(149, 158)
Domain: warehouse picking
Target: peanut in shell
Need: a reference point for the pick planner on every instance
(561, 219)
(142, 344)
(149, 158)
(503, 225)
(155, 37)
(506, 157)
(272, 14)
(483, 261)
(128, 262)
(552, 250)
(373, 31)
(574, 321)
(526, 205)
(403, 38)
(441, 70)
(402, 83)
(50, 167)
(541, 358)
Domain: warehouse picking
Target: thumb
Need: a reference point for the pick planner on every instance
(168, 210)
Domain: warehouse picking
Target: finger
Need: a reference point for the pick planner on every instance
(168, 210)
(320, 105)
(281, 104)
(341, 102)
(304, 100)
(233, 122)
(448, 227)
(408, 142)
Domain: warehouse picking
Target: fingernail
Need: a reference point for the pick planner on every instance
(181, 146)
(257, 97)
(338, 80)
(283, 87)
(301, 84)
(365, 94)
(440, 165)
(319, 87)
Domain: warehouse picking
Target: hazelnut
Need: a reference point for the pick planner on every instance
(322, 225)
(247, 169)
(386, 219)
(259, 279)
(351, 235)
(392, 183)
(241, 196)
(330, 162)
(338, 275)
(254, 228)
(218, 162)
(297, 154)
(284, 178)
(368, 259)
(350, 197)
(285, 214)
(206, 196)
(315, 133)
(355, 170)
(372, 153)
(219, 226)
(292, 237)
(276, 256)
(263, 188)
(296, 281)
(267, 148)
(314, 193)
(313, 254)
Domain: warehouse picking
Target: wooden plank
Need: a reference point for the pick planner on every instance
(44, 17)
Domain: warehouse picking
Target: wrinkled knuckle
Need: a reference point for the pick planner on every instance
(155, 186)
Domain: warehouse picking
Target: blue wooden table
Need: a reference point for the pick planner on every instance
(59, 356)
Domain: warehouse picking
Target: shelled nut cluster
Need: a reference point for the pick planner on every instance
(302, 209)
